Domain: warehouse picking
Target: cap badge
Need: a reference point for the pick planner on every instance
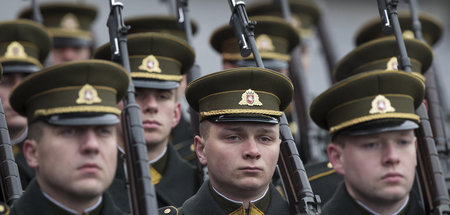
(264, 43)
(381, 104)
(392, 64)
(88, 95)
(150, 64)
(69, 21)
(250, 98)
(15, 50)
(408, 34)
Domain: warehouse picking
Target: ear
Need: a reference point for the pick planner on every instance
(176, 114)
(199, 146)
(31, 153)
(335, 157)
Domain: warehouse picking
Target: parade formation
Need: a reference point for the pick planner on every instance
(134, 126)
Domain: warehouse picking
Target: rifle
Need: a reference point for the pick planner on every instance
(10, 179)
(299, 193)
(139, 183)
(37, 16)
(309, 132)
(434, 191)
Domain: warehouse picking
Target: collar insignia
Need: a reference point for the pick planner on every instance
(381, 104)
(15, 50)
(264, 43)
(150, 64)
(88, 95)
(250, 98)
(392, 64)
(69, 21)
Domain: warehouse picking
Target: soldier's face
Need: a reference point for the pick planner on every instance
(61, 54)
(376, 168)
(7, 83)
(160, 112)
(74, 161)
(241, 157)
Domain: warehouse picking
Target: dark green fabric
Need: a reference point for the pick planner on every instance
(342, 203)
(381, 50)
(34, 202)
(161, 23)
(203, 203)
(327, 183)
(431, 28)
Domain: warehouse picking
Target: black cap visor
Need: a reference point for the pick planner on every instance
(276, 65)
(379, 126)
(243, 118)
(155, 84)
(82, 119)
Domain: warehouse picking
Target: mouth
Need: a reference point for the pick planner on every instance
(251, 169)
(149, 124)
(89, 168)
(392, 177)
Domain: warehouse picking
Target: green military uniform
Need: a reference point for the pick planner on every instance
(69, 23)
(181, 136)
(71, 94)
(155, 65)
(24, 46)
(237, 95)
(368, 103)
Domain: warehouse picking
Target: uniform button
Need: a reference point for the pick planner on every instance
(167, 211)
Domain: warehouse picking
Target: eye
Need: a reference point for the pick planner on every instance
(67, 131)
(370, 145)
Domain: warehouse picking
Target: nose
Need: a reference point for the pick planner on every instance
(90, 142)
(68, 54)
(149, 104)
(391, 154)
(251, 150)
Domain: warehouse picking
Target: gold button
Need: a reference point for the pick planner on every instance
(167, 211)
(2, 208)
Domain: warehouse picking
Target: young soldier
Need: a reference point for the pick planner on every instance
(70, 26)
(239, 140)
(157, 63)
(71, 111)
(371, 117)
(24, 46)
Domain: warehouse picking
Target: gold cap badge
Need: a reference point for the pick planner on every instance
(250, 98)
(392, 64)
(88, 95)
(408, 34)
(264, 43)
(150, 64)
(381, 104)
(15, 50)
(69, 21)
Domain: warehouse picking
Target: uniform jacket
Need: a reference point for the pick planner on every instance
(342, 203)
(203, 203)
(34, 202)
(179, 181)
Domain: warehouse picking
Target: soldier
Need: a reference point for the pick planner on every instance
(239, 140)
(71, 111)
(157, 63)
(371, 119)
(181, 136)
(24, 47)
(70, 26)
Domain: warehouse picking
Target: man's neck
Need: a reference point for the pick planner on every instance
(71, 203)
(155, 150)
(244, 198)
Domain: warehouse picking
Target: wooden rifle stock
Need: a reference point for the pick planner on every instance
(141, 190)
(293, 174)
(295, 181)
(432, 181)
(10, 179)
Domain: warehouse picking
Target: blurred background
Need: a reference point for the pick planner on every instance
(342, 18)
